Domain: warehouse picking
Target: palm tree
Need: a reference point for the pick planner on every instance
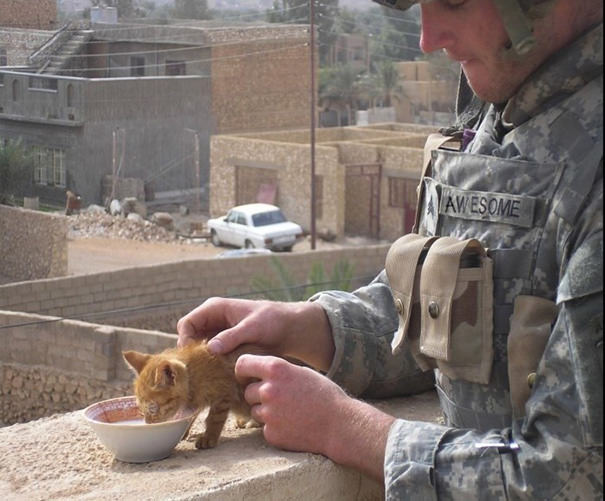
(387, 80)
(16, 171)
(340, 85)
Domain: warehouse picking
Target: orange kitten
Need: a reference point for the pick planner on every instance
(189, 378)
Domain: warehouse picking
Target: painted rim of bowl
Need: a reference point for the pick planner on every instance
(118, 411)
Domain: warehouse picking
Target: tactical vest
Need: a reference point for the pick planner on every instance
(510, 198)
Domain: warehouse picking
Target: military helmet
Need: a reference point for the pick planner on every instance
(514, 16)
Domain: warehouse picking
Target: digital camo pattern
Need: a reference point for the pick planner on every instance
(464, 349)
(561, 438)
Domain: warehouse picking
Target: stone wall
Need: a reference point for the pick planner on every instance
(28, 393)
(260, 77)
(33, 244)
(19, 43)
(50, 365)
(292, 163)
(398, 148)
(38, 14)
(143, 291)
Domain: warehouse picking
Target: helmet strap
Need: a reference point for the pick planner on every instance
(518, 26)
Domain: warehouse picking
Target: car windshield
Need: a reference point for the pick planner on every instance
(266, 218)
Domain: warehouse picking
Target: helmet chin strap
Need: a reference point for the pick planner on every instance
(517, 25)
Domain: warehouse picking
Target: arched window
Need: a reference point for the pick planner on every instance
(70, 95)
(16, 90)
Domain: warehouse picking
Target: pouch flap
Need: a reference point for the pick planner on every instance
(437, 291)
(401, 263)
(530, 328)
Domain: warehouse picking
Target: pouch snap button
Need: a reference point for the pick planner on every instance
(433, 309)
(531, 379)
(399, 306)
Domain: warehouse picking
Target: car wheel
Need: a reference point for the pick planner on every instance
(249, 245)
(288, 249)
(215, 240)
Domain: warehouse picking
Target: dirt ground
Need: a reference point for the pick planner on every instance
(98, 254)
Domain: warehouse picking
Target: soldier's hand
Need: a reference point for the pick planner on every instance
(298, 330)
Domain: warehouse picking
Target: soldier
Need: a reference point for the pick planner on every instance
(499, 291)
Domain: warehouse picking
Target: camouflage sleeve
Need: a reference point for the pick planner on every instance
(557, 449)
(363, 323)
(560, 442)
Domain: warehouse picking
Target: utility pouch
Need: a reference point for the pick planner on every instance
(456, 305)
(403, 265)
(530, 328)
(443, 292)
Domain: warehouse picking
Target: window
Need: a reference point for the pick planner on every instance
(137, 66)
(70, 95)
(16, 90)
(3, 57)
(267, 218)
(402, 192)
(49, 166)
(42, 83)
(175, 68)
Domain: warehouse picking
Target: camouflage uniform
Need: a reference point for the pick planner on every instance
(545, 147)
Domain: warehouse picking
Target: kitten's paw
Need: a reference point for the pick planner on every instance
(192, 437)
(246, 422)
(205, 442)
(251, 423)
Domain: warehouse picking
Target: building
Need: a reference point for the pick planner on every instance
(142, 101)
(365, 177)
(16, 44)
(31, 14)
(73, 7)
(425, 97)
(351, 49)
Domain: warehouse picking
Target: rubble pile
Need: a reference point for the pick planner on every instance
(98, 223)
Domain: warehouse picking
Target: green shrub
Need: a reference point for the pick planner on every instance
(16, 171)
(286, 289)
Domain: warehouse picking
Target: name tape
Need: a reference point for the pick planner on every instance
(487, 206)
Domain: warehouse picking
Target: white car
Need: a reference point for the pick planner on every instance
(255, 226)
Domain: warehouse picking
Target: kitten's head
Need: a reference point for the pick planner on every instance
(161, 386)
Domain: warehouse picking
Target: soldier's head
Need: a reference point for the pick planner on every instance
(499, 43)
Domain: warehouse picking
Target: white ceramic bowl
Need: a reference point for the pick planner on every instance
(120, 427)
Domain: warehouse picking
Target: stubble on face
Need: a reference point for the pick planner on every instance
(498, 73)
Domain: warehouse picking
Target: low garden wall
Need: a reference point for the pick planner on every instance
(61, 339)
(50, 365)
(154, 297)
(33, 244)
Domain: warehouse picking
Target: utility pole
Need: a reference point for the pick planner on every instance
(196, 153)
(114, 164)
(196, 163)
(312, 59)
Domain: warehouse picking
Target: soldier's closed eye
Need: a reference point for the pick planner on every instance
(453, 4)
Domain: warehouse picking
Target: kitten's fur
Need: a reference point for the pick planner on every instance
(189, 378)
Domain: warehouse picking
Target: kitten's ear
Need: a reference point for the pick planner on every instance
(167, 373)
(136, 360)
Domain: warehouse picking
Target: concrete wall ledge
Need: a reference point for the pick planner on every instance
(60, 457)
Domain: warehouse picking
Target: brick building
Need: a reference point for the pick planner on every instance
(365, 177)
(31, 14)
(145, 99)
